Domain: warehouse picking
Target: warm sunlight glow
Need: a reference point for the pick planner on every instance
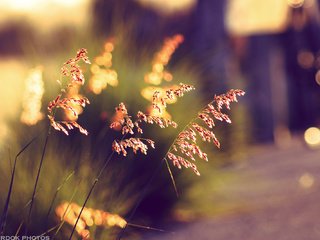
(32, 97)
(102, 74)
(34, 5)
(168, 6)
(306, 180)
(89, 217)
(312, 137)
(148, 92)
(22, 5)
(295, 3)
(245, 17)
(4, 132)
(45, 15)
(13, 73)
(73, 93)
(159, 113)
(161, 59)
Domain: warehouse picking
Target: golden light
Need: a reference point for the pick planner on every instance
(162, 113)
(34, 89)
(153, 78)
(306, 180)
(295, 3)
(148, 92)
(247, 17)
(158, 67)
(312, 137)
(101, 79)
(168, 6)
(12, 88)
(108, 47)
(4, 132)
(13, 73)
(117, 117)
(89, 217)
(37, 12)
(21, 5)
(161, 59)
(34, 5)
(73, 93)
(102, 74)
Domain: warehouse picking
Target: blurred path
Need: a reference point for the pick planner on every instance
(281, 197)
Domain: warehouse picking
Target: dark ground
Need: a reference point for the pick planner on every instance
(274, 204)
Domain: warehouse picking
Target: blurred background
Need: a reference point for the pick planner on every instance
(266, 173)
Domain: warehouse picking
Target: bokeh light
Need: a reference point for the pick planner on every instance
(34, 89)
(306, 59)
(13, 73)
(73, 93)
(312, 137)
(245, 17)
(161, 59)
(306, 180)
(295, 3)
(257, 48)
(102, 74)
(71, 12)
(168, 6)
(70, 211)
(317, 77)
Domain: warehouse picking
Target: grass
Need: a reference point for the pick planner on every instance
(78, 158)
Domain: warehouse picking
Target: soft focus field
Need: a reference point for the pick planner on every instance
(264, 173)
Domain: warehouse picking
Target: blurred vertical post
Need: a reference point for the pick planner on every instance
(259, 23)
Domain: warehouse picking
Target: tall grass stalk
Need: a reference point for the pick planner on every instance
(56, 193)
(65, 212)
(37, 179)
(90, 191)
(186, 139)
(7, 203)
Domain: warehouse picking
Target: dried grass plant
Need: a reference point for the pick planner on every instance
(183, 151)
(73, 72)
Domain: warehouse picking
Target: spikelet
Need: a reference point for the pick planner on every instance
(69, 213)
(71, 103)
(71, 67)
(186, 142)
(148, 93)
(102, 74)
(31, 113)
(159, 101)
(136, 144)
(127, 126)
(123, 120)
(73, 93)
(158, 74)
(124, 123)
(160, 121)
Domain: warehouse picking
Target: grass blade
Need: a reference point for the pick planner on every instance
(37, 180)
(6, 206)
(91, 190)
(57, 191)
(65, 212)
(172, 178)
